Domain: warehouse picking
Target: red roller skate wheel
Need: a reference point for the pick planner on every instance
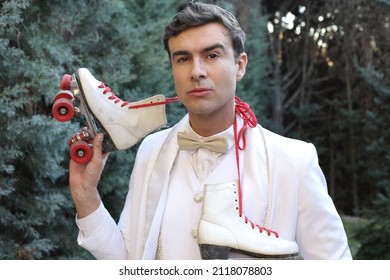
(63, 110)
(63, 94)
(80, 136)
(65, 81)
(80, 152)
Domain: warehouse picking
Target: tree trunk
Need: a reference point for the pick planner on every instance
(351, 140)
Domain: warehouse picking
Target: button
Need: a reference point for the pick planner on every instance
(198, 198)
(194, 233)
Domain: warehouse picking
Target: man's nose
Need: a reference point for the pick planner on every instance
(198, 70)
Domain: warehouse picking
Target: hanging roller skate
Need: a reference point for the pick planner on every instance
(123, 123)
(222, 229)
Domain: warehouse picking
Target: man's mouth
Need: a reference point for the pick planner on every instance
(200, 91)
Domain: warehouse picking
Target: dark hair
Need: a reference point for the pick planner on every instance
(197, 14)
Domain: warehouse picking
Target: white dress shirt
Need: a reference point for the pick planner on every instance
(185, 195)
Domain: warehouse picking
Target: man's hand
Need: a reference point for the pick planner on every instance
(84, 178)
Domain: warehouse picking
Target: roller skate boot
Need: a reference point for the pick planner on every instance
(123, 123)
(222, 230)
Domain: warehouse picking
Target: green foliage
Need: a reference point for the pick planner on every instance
(30, 158)
(375, 237)
(256, 85)
(39, 42)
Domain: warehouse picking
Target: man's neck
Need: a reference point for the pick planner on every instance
(210, 125)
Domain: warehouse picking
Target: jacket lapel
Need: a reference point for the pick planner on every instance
(158, 188)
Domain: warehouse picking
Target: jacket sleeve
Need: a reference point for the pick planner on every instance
(320, 231)
(100, 235)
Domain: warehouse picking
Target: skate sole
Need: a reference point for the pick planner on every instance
(213, 252)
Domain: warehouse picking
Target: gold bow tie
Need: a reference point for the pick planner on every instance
(190, 142)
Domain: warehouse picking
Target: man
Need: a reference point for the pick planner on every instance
(257, 193)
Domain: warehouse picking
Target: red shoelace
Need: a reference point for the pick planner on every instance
(116, 99)
(249, 120)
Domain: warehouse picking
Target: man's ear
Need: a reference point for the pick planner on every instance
(242, 61)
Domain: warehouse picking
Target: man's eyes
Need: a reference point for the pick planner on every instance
(182, 59)
(213, 56)
(210, 56)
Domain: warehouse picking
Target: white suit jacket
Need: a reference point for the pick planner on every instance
(297, 204)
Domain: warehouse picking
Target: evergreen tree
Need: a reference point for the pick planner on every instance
(256, 86)
(31, 196)
(374, 236)
(40, 41)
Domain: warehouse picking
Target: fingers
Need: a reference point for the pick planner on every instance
(84, 179)
(89, 173)
(97, 153)
(98, 145)
(95, 166)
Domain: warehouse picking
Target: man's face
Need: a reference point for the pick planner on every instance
(205, 71)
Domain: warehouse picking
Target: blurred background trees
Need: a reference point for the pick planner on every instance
(318, 71)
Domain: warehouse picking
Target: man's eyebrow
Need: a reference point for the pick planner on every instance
(215, 46)
(178, 53)
(207, 49)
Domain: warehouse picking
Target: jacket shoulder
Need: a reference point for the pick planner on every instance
(154, 140)
(289, 149)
